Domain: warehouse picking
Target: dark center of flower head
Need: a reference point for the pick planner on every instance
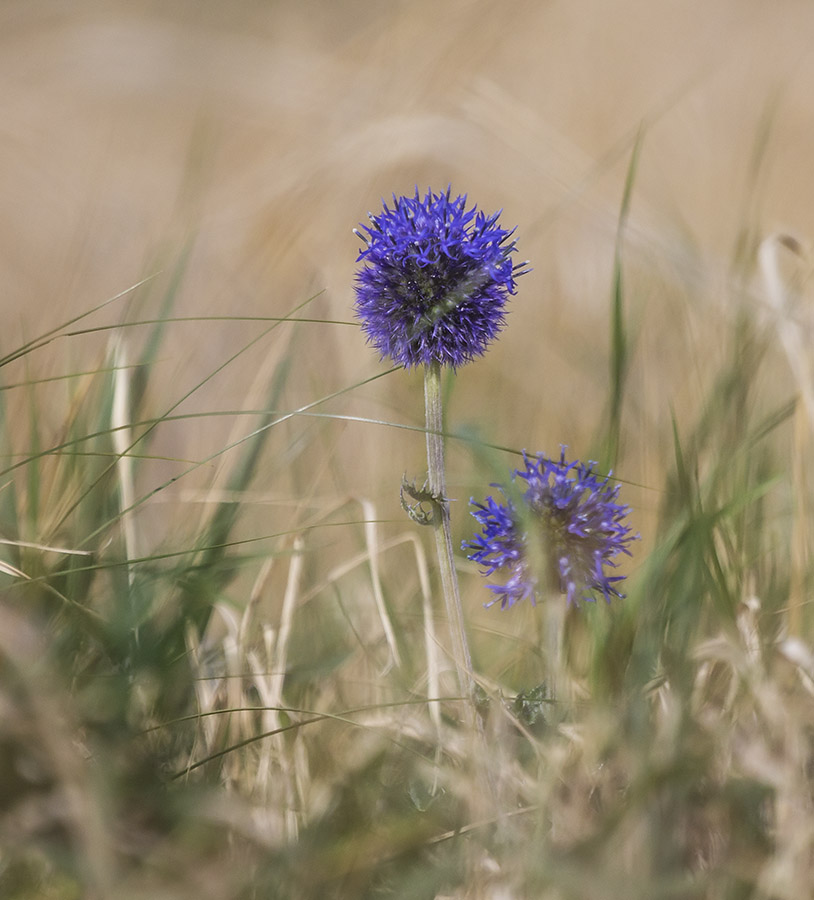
(437, 298)
(563, 559)
(435, 280)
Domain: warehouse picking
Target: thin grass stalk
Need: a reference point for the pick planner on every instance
(373, 551)
(795, 344)
(53, 334)
(121, 435)
(801, 535)
(430, 638)
(441, 526)
(235, 725)
(620, 353)
(255, 596)
(292, 594)
(262, 669)
(278, 665)
(206, 690)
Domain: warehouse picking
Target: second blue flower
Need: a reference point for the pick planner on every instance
(560, 533)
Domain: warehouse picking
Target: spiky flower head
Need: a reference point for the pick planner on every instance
(561, 528)
(435, 281)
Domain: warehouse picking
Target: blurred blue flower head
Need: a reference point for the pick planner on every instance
(560, 530)
(435, 281)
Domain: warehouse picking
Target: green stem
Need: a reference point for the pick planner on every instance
(441, 526)
(555, 626)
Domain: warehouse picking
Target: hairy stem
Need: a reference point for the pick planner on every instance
(441, 526)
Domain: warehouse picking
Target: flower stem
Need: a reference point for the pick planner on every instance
(555, 626)
(441, 526)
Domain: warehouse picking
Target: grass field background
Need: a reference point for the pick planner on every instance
(224, 663)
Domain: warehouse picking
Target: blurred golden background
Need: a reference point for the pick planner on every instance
(256, 135)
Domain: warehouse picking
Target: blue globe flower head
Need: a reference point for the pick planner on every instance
(561, 528)
(435, 281)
